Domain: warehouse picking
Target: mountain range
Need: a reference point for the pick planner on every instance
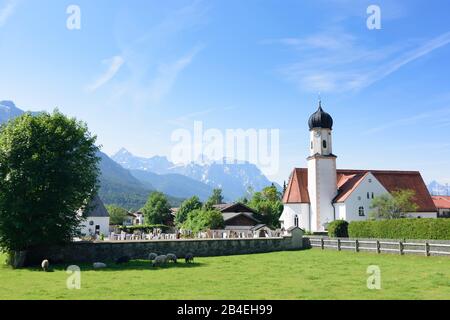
(235, 178)
(128, 180)
(8, 111)
(437, 189)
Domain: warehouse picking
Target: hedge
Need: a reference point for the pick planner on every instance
(425, 229)
(338, 229)
(147, 228)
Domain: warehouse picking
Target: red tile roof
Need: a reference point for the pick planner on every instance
(441, 202)
(348, 181)
(297, 189)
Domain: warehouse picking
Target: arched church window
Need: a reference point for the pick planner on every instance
(324, 143)
(296, 221)
(312, 145)
(373, 195)
(368, 195)
(361, 212)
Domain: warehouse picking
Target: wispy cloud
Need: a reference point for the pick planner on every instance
(7, 8)
(114, 64)
(437, 118)
(334, 62)
(154, 58)
(168, 74)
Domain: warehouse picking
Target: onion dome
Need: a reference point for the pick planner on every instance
(320, 119)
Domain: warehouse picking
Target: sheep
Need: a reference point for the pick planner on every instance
(189, 258)
(152, 256)
(124, 259)
(99, 265)
(171, 257)
(159, 260)
(45, 264)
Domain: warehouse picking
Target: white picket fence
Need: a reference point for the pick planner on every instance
(426, 248)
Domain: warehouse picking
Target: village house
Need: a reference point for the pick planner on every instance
(442, 204)
(96, 220)
(239, 217)
(321, 193)
(134, 219)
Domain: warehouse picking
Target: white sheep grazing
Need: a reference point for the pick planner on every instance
(45, 264)
(171, 257)
(152, 256)
(99, 265)
(159, 260)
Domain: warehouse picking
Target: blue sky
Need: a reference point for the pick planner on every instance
(138, 70)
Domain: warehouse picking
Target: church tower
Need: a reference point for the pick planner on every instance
(322, 184)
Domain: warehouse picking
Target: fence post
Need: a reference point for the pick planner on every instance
(356, 245)
(400, 246)
(322, 244)
(339, 244)
(378, 246)
(427, 249)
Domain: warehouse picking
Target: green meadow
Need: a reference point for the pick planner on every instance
(308, 274)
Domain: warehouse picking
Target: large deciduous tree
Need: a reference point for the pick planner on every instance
(394, 206)
(186, 207)
(157, 209)
(268, 204)
(48, 171)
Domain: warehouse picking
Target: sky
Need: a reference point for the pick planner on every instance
(137, 71)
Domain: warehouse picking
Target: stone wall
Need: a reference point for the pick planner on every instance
(88, 252)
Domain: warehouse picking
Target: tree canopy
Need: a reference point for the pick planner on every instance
(117, 214)
(157, 209)
(393, 206)
(48, 171)
(203, 219)
(268, 204)
(214, 199)
(186, 207)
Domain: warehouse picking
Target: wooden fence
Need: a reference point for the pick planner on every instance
(379, 246)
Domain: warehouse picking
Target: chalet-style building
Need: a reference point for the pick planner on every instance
(442, 204)
(238, 216)
(321, 193)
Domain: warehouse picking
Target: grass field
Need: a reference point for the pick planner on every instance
(309, 274)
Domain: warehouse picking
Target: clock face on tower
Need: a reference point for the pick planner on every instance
(317, 134)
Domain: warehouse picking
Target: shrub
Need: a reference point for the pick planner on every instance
(427, 229)
(147, 228)
(202, 220)
(338, 229)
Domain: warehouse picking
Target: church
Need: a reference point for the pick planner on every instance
(321, 193)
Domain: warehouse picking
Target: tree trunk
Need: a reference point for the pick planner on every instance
(16, 259)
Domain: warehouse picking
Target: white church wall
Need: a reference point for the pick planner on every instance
(88, 227)
(291, 210)
(340, 211)
(322, 187)
(358, 198)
